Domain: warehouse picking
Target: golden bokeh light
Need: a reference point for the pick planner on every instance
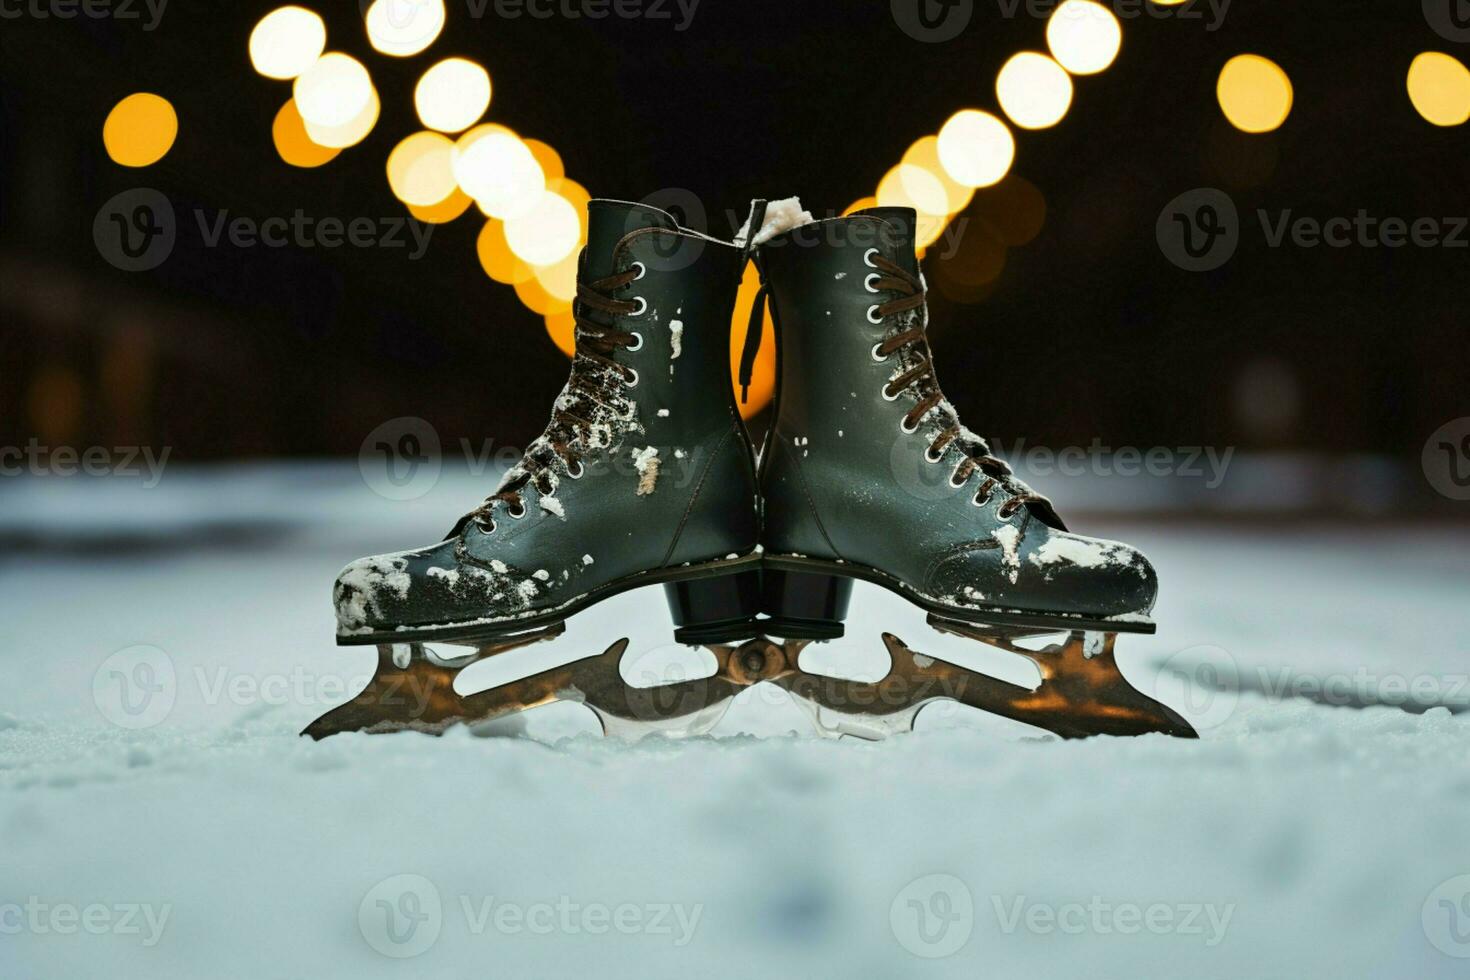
(909, 186)
(1254, 93)
(453, 95)
(421, 169)
(496, 258)
(287, 42)
(1439, 87)
(861, 204)
(763, 377)
(445, 211)
(140, 130)
(495, 168)
(924, 153)
(294, 144)
(546, 233)
(551, 166)
(352, 132)
(562, 328)
(1084, 36)
(1034, 91)
(975, 148)
(559, 280)
(333, 92)
(535, 297)
(404, 28)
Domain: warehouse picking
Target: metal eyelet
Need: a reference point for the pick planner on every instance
(641, 307)
(887, 397)
(631, 382)
(872, 319)
(517, 512)
(868, 258)
(639, 345)
(642, 270)
(1005, 511)
(930, 457)
(486, 527)
(904, 426)
(868, 282)
(874, 353)
(577, 475)
(975, 501)
(953, 482)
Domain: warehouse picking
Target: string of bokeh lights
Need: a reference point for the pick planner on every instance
(534, 214)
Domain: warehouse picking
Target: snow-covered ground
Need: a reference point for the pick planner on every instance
(161, 818)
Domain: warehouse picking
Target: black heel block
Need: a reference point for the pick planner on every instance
(720, 609)
(805, 606)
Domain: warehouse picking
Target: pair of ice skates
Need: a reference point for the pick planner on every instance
(646, 476)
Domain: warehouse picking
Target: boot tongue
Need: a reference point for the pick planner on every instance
(902, 221)
(607, 223)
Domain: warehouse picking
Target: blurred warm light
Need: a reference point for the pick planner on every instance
(496, 258)
(535, 296)
(453, 95)
(1083, 36)
(333, 92)
(975, 148)
(404, 28)
(352, 132)
(287, 42)
(559, 280)
(1254, 93)
(495, 168)
(763, 378)
(545, 233)
(1439, 87)
(1015, 208)
(140, 130)
(909, 186)
(1034, 90)
(445, 211)
(562, 328)
(294, 144)
(421, 169)
(551, 166)
(924, 153)
(57, 403)
(861, 204)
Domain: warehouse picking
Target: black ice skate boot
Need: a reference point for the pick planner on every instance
(868, 474)
(644, 475)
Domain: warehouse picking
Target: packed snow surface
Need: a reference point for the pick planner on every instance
(161, 818)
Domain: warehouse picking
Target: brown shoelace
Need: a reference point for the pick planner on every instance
(977, 455)
(596, 345)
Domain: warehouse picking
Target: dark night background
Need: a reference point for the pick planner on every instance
(1089, 332)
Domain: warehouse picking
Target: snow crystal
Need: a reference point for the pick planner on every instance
(1009, 537)
(679, 454)
(450, 576)
(552, 506)
(781, 216)
(646, 460)
(499, 566)
(586, 559)
(1080, 551)
(663, 413)
(840, 275)
(541, 574)
(527, 590)
(361, 585)
(676, 339)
